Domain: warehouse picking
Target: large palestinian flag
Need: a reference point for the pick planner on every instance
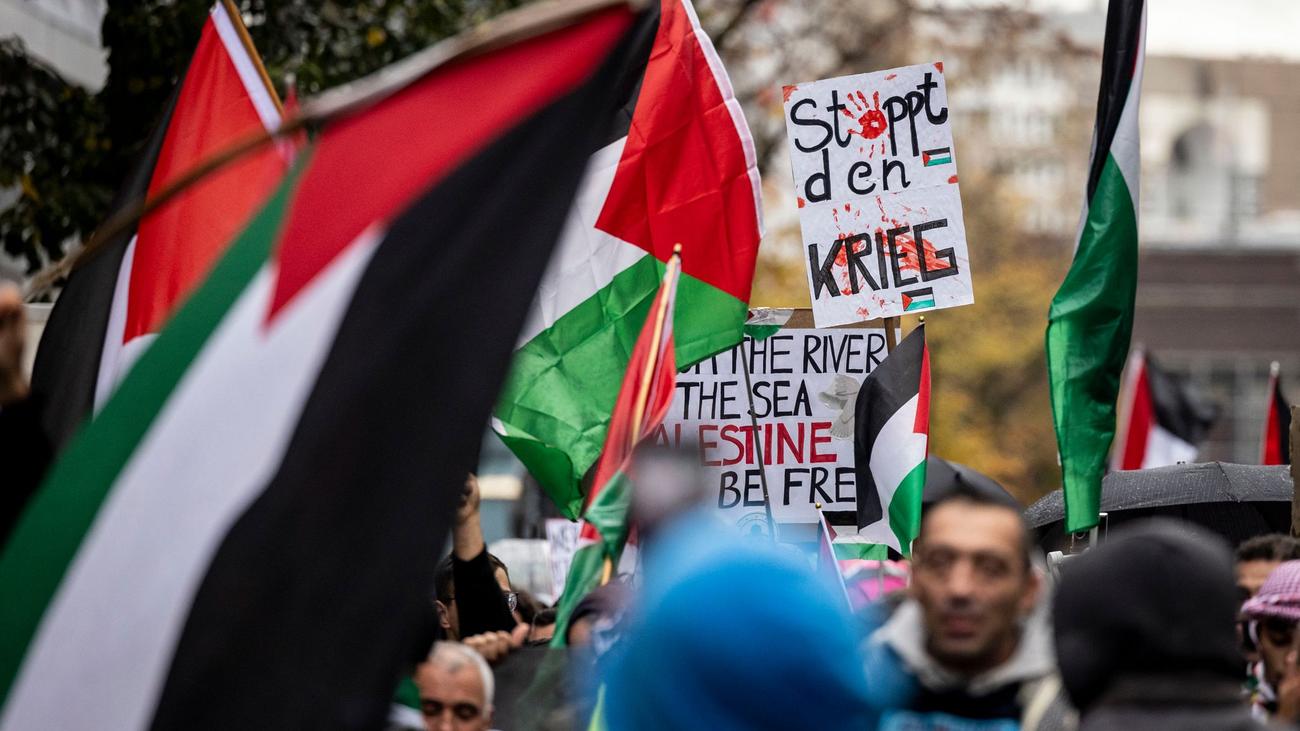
(891, 437)
(1276, 446)
(1090, 321)
(678, 168)
(115, 303)
(1162, 422)
(234, 541)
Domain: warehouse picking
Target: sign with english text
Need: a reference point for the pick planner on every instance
(804, 384)
(879, 205)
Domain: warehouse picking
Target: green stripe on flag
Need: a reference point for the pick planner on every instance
(50, 532)
(608, 514)
(1089, 327)
(866, 551)
(905, 507)
(563, 383)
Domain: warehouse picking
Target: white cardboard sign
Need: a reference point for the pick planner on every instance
(879, 206)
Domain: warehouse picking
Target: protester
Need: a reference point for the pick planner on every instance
(730, 634)
(526, 606)
(1144, 632)
(1271, 617)
(473, 586)
(600, 608)
(543, 628)
(1257, 557)
(969, 637)
(456, 687)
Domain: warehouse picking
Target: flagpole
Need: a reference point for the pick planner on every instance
(237, 20)
(758, 442)
(891, 337)
(647, 377)
(643, 391)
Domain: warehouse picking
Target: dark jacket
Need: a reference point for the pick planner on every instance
(25, 454)
(480, 605)
(1145, 632)
(1181, 704)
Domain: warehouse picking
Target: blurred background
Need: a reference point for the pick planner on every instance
(83, 81)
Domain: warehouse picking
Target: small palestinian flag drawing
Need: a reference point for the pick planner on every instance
(891, 442)
(937, 156)
(1277, 423)
(918, 299)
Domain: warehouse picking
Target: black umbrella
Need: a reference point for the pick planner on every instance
(1234, 500)
(943, 476)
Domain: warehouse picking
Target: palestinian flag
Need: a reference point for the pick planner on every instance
(1091, 318)
(1162, 422)
(116, 301)
(229, 543)
(1276, 447)
(679, 168)
(891, 440)
(643, 401)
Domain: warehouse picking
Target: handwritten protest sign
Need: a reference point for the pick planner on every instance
(879, 206)
(562, 540)
(805, 382)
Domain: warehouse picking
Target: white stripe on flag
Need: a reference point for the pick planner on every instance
(1124, 148)
(111, 355)
(104, 646)
(897, 451)
(586, 259)
(247, 69)
(1166, 448)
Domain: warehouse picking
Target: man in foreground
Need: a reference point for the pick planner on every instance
(456, 688)
(977, 653)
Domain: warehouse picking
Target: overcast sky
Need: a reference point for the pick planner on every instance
(1215, 28)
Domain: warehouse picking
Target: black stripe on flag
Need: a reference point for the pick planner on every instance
(1178, 409)
(628, 85)
(67, 360)
(321, 590)
(1118, 58)
(886, 389)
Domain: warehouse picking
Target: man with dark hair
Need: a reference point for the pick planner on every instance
(1256, 558)
(978, 653)
(1271, 618)
(543, 627)
(472, 586)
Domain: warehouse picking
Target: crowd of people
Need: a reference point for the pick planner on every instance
(1159, 626)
